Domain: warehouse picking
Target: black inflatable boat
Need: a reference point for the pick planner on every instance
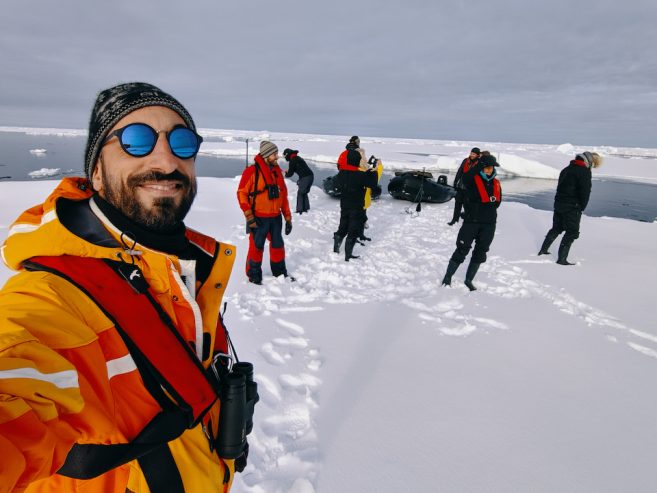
(418, 186)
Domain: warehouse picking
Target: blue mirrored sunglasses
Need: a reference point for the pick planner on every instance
(139, 140)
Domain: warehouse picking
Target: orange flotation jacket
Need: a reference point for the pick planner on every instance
(185, 391)
(76, 377)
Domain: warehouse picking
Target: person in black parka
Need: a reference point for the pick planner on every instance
(353, 178)
(483, 195)
(466, 164)
(573, 192)
(306, 177)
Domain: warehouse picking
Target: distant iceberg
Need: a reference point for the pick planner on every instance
(44, 172)
(566, 148)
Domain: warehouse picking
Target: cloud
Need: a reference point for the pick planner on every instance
(559, 71)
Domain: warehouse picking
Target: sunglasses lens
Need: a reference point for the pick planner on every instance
(184, 142)
(138, 139)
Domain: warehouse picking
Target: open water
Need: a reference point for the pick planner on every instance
(612, 198)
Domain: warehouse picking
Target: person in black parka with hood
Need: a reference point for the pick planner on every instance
(573, 192)
(306, 177)
(482, 197)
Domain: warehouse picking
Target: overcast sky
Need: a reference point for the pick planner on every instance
(551, 71)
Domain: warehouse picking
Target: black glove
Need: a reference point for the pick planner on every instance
(252, 224)
(288, 227)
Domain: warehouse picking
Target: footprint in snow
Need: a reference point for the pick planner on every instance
(291, 342)
(285, 442)
(270, 355)
(302, 383)
(513, 282)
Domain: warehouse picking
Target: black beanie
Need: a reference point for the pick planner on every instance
(476, 150)
(116, 102)
(488, 160)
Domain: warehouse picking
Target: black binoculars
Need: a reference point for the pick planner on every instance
(238, 395)
(372, 161)
(273, 192)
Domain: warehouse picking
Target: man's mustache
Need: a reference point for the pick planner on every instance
(155, 176)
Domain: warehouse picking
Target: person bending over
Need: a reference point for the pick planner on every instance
(571, 199)
(306, 177)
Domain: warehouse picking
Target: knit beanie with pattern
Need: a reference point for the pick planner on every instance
(267, 148)
(116, 102)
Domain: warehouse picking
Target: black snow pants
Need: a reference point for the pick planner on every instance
(304, 184)
(458, 205)
(481, 233)
(567, 221)
(351, 223)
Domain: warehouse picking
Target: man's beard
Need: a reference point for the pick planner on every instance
(164, 214)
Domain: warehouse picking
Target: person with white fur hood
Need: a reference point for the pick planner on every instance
(573, 192)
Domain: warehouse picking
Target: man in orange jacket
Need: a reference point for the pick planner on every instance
(110, 327)
(262, 195)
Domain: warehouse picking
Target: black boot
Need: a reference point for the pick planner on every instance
(451, 269)
(455, 219)
(349, 249)
(361, 235)
(470, 274)
(546, 244)
(337, 241)
(278, 269)
(254, 272)
(457, 211)
(564, 250)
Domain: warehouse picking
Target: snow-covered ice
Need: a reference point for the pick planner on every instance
(520, 160)
(374, 378)
(59, 132)
(44, 172)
